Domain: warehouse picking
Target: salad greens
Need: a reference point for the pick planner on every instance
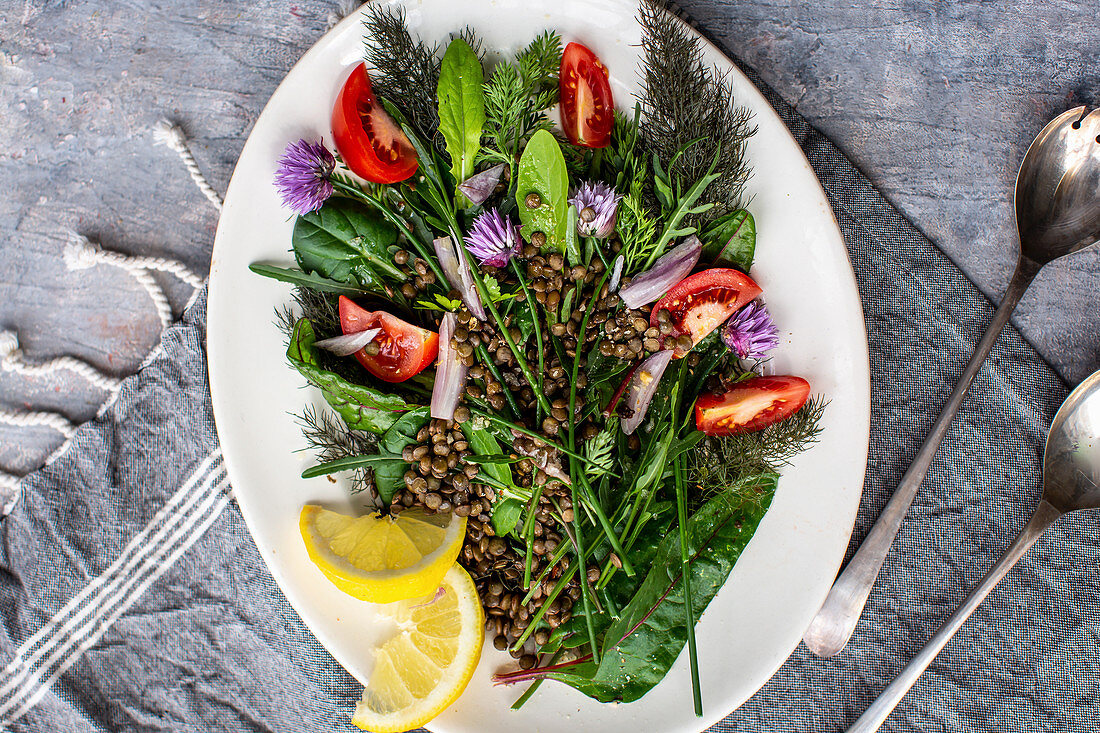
(505, 379)
(461, 107)
(542, 173)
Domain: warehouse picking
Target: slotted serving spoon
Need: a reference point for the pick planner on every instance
(1057, 213)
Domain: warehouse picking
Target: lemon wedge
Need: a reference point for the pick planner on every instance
(421, 670)
(383, 559)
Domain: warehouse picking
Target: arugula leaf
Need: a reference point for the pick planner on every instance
(461, 106)
(542, 171)
(642, 644)
(389, 476)
(349, 462)
(362, 407)
(731, 240)
(342, 241)
(484, 443)
(306, 279)
(678, 207)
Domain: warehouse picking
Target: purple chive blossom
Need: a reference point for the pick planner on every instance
(750, 333)
(303, 176)
(597, 204)
(493, 239)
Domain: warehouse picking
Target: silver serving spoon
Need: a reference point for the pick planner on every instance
(1057, 212)
(1071, 481)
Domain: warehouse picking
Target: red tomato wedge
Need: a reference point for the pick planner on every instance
(587, 107)
(368, 140)
(404, 349)
(702, 302)
(751, 405)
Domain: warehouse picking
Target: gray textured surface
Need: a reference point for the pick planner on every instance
(213, 645)
(935, 100)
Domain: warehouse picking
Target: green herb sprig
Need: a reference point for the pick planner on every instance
(683, 99)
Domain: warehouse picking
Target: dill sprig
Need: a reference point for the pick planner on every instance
(718, 463)
(321, 309)
(637, 230)
(332, 440)
(598, 450)
(684, 99)
(404, 70)
(517, 96)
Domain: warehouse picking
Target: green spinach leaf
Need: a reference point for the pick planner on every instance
(525, 320)
(641, 645)
(362, 407)
(731, 241)
(461, 106)
(542, 171)
(389, 476)
(506, 516)
(483, 443)
(345, 242)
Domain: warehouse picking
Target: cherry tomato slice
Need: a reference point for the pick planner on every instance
(404, 349)
(702, 302)
(751, 405)
(368, 140)
(587, 107)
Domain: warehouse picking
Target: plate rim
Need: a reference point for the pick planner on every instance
(851, 290)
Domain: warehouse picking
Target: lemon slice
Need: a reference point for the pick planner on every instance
(383, 559)
(425, 666)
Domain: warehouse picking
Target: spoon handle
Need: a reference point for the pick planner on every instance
(834, 623)
(880, 709)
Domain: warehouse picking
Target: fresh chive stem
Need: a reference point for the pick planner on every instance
(521, 360)
(487, 360)
(555, 558)
(578, 548)
(538, 329)
(685, 574)
(605, 523)
(576, 471)
(491, 417)
(559, 586)
(528, 541)
(535, 685)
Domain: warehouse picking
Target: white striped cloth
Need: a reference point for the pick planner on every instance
(122, 604)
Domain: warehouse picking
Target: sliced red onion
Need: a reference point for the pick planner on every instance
(450, 373)
(348, 344)
(642, 388)
(670, 269)
(480, 186)
(448, 260)
(616, 274)
(457, 270)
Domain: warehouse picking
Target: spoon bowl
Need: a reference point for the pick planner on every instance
(1057, 199)
(1071, 462)
(1058, 188)
(1071, 481)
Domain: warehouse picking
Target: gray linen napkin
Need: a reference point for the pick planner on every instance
(133, 599)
